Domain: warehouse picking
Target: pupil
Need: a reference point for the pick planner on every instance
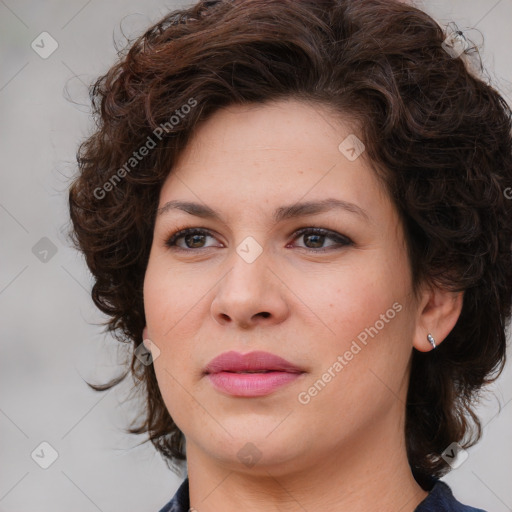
(318, 240)
(195, 239)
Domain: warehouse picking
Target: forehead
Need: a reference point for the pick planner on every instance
(271, 154)
(285, 125)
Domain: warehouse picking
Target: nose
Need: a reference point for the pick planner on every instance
(250, 294)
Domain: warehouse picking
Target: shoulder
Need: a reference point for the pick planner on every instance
(180, 501)
(441, 499)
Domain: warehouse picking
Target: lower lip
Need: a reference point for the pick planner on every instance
(251, 384)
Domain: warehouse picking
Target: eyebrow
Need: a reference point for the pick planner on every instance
(280, 214)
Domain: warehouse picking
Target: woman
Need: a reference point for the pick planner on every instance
(296, 213)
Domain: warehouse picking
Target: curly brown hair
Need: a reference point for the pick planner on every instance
(438, 136)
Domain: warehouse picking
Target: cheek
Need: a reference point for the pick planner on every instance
(363, 372)
(367, 310)
(353, 299)
(169, 295)
(167, 304)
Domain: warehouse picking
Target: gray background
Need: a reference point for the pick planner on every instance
(51, 340)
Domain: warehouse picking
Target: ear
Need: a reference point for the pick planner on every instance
(438, 312)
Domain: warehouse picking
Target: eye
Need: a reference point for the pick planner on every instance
(315, 237)
(195, 238)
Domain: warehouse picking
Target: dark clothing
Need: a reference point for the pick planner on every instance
(440, 499)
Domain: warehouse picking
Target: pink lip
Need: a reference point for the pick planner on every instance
(235, 362)
(221, 373)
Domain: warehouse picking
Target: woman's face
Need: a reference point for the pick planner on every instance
(338, 306)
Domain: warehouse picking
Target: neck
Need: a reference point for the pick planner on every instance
(367, 474)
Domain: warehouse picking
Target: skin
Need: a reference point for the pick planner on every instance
(346, 446)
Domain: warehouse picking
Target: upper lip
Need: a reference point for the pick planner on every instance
(236, 362)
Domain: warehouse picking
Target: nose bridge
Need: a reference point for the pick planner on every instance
(248, 276)
(249, 290)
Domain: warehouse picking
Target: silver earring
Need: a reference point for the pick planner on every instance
(431, 339)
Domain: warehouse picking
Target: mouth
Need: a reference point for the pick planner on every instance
(254, 374)
(251, 384)
(256, 371)
(252, 362)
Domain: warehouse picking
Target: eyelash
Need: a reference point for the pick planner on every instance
(342, 240)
